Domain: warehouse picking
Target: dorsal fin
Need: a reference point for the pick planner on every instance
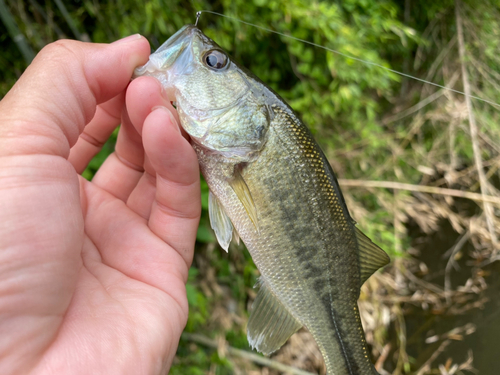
(270, 323)
(242, 191)
(371, 257)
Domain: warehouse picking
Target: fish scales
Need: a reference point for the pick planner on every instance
(270, 181)
(285, 192)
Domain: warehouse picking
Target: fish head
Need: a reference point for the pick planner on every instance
(220, 105)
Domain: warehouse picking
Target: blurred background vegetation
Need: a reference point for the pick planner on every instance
(419, 165)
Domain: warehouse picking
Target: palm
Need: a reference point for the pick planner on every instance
(114, 304)
(92, 274)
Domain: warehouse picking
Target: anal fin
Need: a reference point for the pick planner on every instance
(270, 324)
(371, 257)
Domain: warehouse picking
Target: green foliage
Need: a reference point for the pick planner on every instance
(191, 360)
(342, 100)
(97, 161)
(198, 303)
(205, 233)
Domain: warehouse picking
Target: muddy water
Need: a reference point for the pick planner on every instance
(421, 324)
(485, 342)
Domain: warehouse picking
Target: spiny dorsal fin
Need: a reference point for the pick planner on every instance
(371, 257)
(270, 323)
(240, 187)
(219, 221)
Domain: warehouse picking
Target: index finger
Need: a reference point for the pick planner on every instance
(47, 109)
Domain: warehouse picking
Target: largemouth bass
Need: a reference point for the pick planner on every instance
(272, 186)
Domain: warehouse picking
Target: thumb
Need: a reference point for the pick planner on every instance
(55, 98)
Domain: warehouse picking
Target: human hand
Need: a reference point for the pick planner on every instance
(92, 274)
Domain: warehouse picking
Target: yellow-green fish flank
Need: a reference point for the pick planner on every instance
(271, 185)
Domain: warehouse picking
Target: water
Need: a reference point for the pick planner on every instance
(422, 324)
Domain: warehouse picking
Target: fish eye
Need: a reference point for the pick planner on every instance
(215, 59)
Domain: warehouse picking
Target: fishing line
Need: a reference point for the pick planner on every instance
(198, 14)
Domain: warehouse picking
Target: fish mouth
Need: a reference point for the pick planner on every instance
(183, 32)
(161, 62)
(174, 38)
(167, 54)
(148, 69)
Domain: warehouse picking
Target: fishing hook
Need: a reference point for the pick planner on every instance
(198, 14)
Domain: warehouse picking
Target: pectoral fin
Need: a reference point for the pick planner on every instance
(242, 191)
(219, 221)
(270, 323)
(236, 237)
(371, 257)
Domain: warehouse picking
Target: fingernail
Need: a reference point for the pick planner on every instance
(128, 39)
(170, 114)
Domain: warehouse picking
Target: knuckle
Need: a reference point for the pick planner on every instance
(61, 50)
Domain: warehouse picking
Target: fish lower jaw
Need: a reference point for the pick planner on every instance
(149, 70)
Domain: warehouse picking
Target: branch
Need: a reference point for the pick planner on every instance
(417, 107)
(15, 34)
(71, 23)
(488, 210)
(40, 10)
(420, 188)
(263, 361)
(427, 365)
(451, 261)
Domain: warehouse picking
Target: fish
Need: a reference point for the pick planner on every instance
(272, 187)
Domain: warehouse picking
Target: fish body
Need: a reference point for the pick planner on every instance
(272, 186)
